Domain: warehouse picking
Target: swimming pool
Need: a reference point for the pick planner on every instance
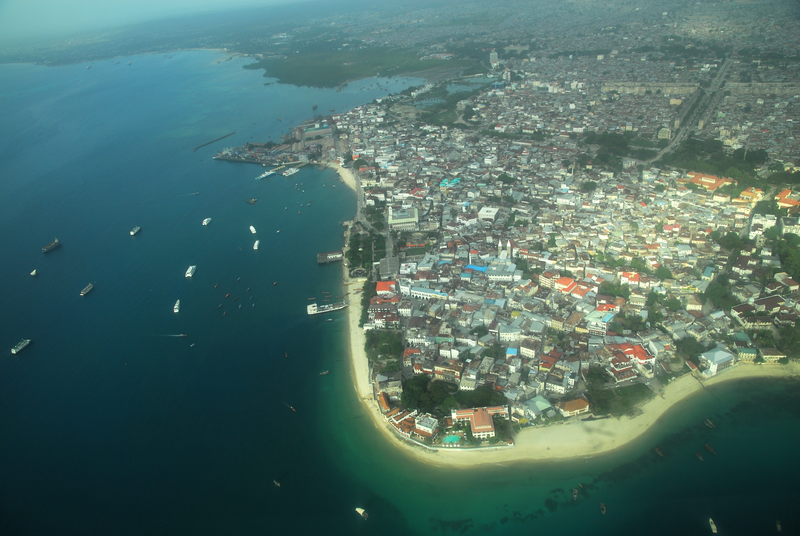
(452, 439)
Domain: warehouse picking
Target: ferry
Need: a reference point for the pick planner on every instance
(252, 229)
(135, 230)
(177, 307)
(255, 246)
(315, 309)
(87, 289)
(22, 344)
(206, 221)
(190, 271)
(362, 513)
(289, 172)
(52, 245)
(265, 175)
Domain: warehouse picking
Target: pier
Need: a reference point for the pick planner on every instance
(331, 256)
(212, 141)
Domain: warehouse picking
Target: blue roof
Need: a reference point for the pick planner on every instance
(476, 268)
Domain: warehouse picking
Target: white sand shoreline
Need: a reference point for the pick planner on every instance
(573, 439)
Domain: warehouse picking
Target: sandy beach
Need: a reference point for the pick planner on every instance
(573, 439)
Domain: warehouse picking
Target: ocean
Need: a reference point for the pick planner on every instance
(112, 424)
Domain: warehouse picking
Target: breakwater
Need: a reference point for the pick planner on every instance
(212, 141)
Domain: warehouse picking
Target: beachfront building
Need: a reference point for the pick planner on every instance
(480, 419)
(716, 361)
(569, 408)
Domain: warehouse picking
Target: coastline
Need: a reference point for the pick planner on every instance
(575, 438)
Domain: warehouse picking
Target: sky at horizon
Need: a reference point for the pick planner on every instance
(37, 20)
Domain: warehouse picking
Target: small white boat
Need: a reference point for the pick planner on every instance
(177, 307)
(713, 525)
(206, 221)
(252, 229)
(255, 246)
(33, 272)
(135, 230)
(190, 271)
(362, 513)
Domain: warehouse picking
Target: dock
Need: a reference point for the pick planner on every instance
(331, 256)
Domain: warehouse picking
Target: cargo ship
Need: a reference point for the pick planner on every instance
(289, 172)
(315, 309)
(22, 344)
(190, 271)
(52, 245)
(177, 307)
(135, 230)
(87, 289)
(206, 221)
(255, 246)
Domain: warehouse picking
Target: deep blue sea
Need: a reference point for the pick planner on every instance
(112, 425)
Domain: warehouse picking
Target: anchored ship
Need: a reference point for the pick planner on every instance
(252, 229)
(206, 221)
(289, 172)
(22, 344)
(190, 271)
(315, 309)
(135, 230)
(52, 245)
(255, 246)
(87, 289)
(177, 307)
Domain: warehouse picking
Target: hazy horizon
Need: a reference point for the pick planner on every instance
(25, 21)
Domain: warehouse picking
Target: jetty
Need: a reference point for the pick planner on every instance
(331, 256)
(212, 141)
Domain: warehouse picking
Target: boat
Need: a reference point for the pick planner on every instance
(709, 449)
(216, 285)
(329, 319)
(135, 230)
(51, 246)
(87, 289)
(713, 525)
(278, 231)
(206, 221)
(219, 306)
(252, 201)
(363, 513)
(177, 306)
(699, 456)
(289, 172)
(20, 345)
(236, 298)
(228, 294)
(311, 299)
(324, 372)
(314, 309)
(265, 175)
(190, 271)
(708, 423)
(252, 229)
(292, 408)
(778, 525)
(255, 246)
(603, 508)
(240, 306)
(33, 273)
(574, 494)
(277, 484)
(658, 451)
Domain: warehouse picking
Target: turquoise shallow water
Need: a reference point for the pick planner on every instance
(112, 427)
